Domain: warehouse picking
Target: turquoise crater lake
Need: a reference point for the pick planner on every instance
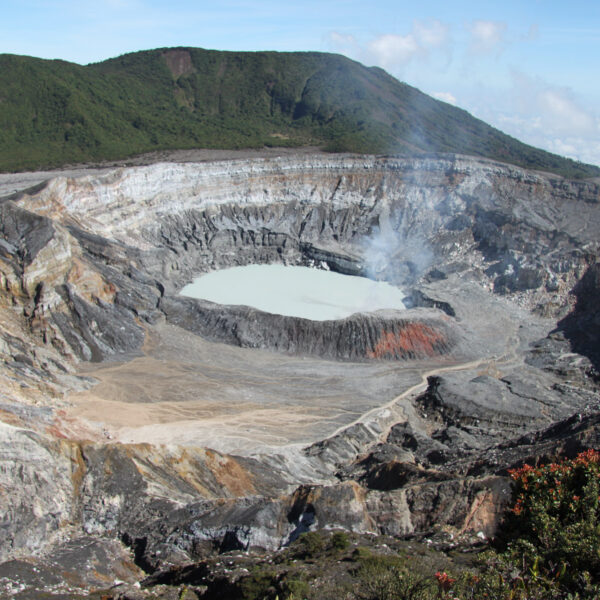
(304, 292)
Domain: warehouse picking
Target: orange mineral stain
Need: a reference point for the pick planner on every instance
(414, 339)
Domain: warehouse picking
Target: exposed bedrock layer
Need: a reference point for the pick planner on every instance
(173, 505)
(381, 335)
(122, 239)
(525, 234)
(493, 258)
(186, 218)
(582, 325)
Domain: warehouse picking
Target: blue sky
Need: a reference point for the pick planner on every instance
(528, 67)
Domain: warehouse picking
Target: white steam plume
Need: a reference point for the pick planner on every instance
(397, 255)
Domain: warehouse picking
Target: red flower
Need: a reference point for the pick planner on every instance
(444, 580)
(587, 457)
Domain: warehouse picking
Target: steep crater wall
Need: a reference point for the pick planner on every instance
(140, 234)
(383, 335)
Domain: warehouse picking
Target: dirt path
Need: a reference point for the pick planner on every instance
(493, 363)
(190, 391)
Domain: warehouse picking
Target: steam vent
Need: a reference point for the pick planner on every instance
(143, 430)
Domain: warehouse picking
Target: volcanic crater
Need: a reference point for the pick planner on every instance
(133, 413)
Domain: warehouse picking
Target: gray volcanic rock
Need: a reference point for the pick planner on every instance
(582, 326)
(90, 328)
(494, 363)
(36, 478)
(382, 335)
(70, 570)
(564, 438)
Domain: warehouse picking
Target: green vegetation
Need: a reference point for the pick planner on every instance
(309, 545)
(340, 541)
(54, 112)
(549, 549)
(554, 525)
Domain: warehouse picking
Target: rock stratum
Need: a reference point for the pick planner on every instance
(141, 430)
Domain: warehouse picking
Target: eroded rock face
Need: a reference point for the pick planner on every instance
(582, 326)
(372, 336)
(494, 348)
(156, 227)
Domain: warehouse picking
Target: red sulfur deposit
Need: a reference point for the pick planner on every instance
(414, 340)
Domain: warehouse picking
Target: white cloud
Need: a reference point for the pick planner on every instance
(555, 108)
(394, 51)
(565, 112)
(445, 97)
(538, 112)
(390, 51)
(487, 36)
(432, 33)
(578, 148)
(544, 115)
(345, 44)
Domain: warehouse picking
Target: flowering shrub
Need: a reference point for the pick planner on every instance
(549, 550)
(550, 545)
(445, 582)
(555, 519)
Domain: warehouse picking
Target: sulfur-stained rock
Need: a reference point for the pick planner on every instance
(384, 335)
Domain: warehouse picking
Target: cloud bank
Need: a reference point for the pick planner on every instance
(486, 36)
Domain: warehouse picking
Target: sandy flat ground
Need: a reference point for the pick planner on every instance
(187, 390)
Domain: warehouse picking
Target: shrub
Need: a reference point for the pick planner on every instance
(296, 588)
(555, 521)
(383, 580)
(550, 544)
(309, 544)
(340, 541)
(260, 583)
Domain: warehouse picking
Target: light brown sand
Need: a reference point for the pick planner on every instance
(228, 398)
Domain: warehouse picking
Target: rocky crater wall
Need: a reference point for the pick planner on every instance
(491, 256)
(382, 335)
(140, 234)
(193, 217)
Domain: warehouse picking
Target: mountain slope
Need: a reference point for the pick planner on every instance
(54, 112)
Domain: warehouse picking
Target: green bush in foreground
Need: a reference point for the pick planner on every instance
(550, 543)
(554, 524)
